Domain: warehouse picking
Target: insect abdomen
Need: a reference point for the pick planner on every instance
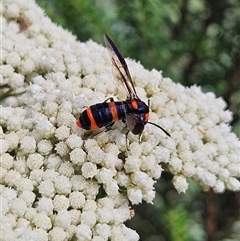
(99, 115)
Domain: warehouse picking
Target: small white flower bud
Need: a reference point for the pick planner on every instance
(62, 148)
(35, 161)
(41, 220)
(3, 146)
(83, 232)
(58, 234)
(28, 144)
(44, 147)
(135, 195)
(46, 188)
(132, 164)
(45, 205)
(66, 169)
(62, 185)
(233, 184)
(60, 202)
(62, 219)
(180, 183)
(89, 170)
(6, 161)
(77, 200)
(62, 132)
(89, 218)
(77, 156)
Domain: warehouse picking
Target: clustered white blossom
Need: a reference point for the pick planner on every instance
(50, 177)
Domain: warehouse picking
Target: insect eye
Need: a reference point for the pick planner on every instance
(146, 116)
(134, 104)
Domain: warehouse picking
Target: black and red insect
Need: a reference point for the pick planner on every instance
(132, 111)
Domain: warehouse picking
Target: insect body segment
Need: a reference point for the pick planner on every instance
(133, 111)
(99, 115)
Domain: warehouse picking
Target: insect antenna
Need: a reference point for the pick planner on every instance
(156, 124)
(159, 127)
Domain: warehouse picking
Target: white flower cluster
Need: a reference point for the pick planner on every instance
(54, 185)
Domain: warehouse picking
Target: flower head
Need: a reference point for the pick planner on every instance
(51, 175)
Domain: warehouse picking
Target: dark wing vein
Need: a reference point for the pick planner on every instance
(119, 68)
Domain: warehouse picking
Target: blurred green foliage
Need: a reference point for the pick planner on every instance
(176, 219)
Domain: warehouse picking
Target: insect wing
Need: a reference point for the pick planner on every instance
(120, 69)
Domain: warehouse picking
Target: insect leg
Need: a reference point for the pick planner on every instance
(103, 129)
(139, 138)
(108, 127)
(127, 144)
